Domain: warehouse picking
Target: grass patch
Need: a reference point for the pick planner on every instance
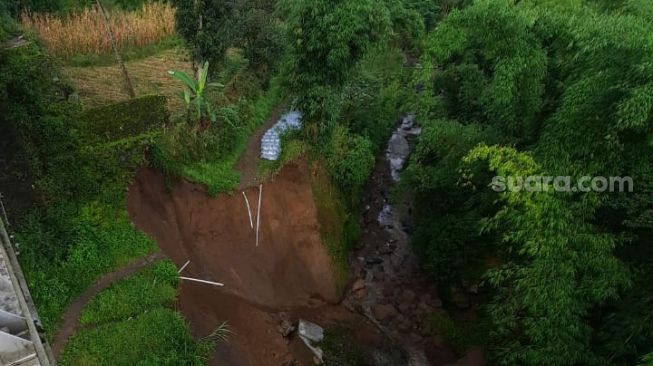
(64, 249)
(218, 176)
(152, 287)
(158, 337)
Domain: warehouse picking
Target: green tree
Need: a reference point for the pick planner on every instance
(327, 39)
(493, 66)
(206, 26)
(555, 269)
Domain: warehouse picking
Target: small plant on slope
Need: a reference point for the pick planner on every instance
(196, 96)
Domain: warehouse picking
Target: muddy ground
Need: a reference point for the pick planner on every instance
(287, 276)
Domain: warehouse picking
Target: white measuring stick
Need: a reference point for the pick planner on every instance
(183, 267)
(202, 281)
(249, 211)
(258, 214)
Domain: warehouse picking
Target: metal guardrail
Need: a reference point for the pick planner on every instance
(21, 343)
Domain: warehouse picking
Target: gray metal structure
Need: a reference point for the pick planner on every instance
(21, 343)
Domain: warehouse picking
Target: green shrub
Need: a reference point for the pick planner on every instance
(123, 119)
(153, 287)
(350, 160)
(158, 337)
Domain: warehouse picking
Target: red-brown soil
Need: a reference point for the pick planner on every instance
(288, 275)
(289, 268)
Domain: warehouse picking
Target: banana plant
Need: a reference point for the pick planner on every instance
(195, 97)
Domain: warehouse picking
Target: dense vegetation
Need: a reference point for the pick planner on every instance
(500, 87)
(540, 88)
(79, 162)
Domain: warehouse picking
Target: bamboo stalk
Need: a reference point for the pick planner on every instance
(128, 83)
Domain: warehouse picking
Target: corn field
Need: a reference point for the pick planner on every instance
(83, 32)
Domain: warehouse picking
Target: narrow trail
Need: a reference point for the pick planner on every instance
(247, 165)
(71, 322)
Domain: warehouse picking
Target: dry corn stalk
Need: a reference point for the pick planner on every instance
(83, 32)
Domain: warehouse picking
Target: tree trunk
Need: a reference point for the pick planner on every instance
(125, 75)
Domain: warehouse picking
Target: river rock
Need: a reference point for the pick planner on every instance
(359, 284)
(360, 294)
(311, 334)
(383, 312)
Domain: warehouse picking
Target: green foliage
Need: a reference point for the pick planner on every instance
(647, 360)
(211, 27)
(407, 24)
(429, 10)
(375, 95)
(63, 249)
(568, 87)
(493, 66)
(448, 228)
(158, 337)
(258, 33)
(556, 268)
(350, 160)
(459, 336)
(196, 97)
(155, 286)
(327, 39)
(124, 119)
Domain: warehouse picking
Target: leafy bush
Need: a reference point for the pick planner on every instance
(350, 160)
(124, 119)
(153, 287)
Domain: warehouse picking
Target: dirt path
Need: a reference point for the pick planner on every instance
(247, 165)
(71, 323)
